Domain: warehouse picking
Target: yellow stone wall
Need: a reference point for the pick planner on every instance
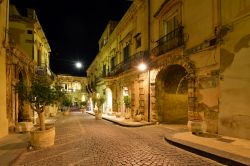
(26, 38)
(198, 21)
(18, 32)
(235, 66)
(27, 34)
(3, 41)
(74, 82)
(134, 22)
(216, 41)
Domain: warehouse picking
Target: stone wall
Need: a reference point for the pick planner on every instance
(235, 81)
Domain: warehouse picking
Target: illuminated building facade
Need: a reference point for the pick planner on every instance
(197, 63)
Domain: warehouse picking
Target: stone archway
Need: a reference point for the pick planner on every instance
(172, 95)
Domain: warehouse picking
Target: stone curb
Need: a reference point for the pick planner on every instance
(124, 123)
(208, 152)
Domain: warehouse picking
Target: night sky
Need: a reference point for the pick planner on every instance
(73, 28)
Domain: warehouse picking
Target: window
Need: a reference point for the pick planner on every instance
(113, 62)
(125, 91)
(105, 41)
(138, 41)
(104, 70)
(126, 53)
(170, 25)
(29, 32)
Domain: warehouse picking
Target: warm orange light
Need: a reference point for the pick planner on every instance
(142, 67)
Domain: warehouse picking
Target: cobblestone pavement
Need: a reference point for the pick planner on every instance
(82, 140)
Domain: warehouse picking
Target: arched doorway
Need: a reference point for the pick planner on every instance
(172, 95)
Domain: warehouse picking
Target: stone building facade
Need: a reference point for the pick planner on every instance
(28, 54)
(197, 58)
(4, 10)
(234, 106)
(75, 87)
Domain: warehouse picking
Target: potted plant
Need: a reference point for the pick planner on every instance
(117, 104)
(59, 95)
(98, 100)
(138, 115)
(66, 104)
(24, 122)
(127, 102)
(83, 106)
(39, 95)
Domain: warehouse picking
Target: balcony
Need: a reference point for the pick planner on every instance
(41, 70)
(170, 41)
(128, 63)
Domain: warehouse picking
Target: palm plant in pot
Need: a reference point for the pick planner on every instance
(40, 94)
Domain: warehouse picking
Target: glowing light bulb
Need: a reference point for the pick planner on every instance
(78, 65)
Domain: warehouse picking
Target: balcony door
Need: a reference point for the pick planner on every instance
(169, 26)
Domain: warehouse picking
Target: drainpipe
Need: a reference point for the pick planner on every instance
(148, 64)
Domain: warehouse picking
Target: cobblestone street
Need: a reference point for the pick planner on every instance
(82, 140)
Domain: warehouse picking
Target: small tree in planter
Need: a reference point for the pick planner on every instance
(66, 104)
(59, 95)
(138, 115)
(98, 100)
(83, 105)
(39, 95)
(127, 102)
(24, 123)
(117, 104)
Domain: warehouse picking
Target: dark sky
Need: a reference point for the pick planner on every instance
(73, 28)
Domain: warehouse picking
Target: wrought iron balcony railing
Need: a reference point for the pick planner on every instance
(172, 40)
(128, 63)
